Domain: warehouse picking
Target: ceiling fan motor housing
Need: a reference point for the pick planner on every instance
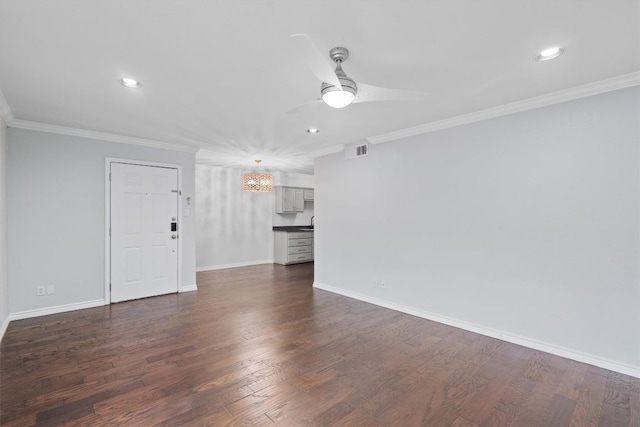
(339, 54)
(348, 84)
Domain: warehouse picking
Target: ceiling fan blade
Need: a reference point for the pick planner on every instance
(314, 59)
(301, 107)
(369, 93)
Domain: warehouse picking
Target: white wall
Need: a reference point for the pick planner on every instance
(4, 308)
(234, 227)
(526, 225)
(56, 215)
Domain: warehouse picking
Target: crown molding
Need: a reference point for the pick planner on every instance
(328, 150)
(205, 154)
(11, 121)
(595, 88)
(99, 136)
(5, 111)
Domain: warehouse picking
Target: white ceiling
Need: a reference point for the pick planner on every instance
(219, 75)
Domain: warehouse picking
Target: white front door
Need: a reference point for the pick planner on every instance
(144, 235)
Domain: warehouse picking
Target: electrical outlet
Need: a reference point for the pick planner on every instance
(40, 291)
(383, 283)
(51, 289)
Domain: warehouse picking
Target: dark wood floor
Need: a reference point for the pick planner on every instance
(260, 346)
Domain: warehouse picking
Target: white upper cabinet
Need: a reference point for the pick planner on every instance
(289, 200)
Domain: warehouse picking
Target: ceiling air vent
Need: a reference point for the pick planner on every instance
(354, 151)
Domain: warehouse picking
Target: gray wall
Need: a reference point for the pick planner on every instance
(526, 224)
(4, 309)
(56, 215)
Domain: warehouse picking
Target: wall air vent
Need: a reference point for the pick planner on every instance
(354, 151)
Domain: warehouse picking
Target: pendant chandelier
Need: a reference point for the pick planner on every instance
(256, 181)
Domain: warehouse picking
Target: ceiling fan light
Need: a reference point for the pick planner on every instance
(338, 98)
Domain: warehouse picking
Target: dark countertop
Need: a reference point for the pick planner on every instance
(293, 228)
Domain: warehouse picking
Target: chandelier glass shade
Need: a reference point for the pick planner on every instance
(256, 181)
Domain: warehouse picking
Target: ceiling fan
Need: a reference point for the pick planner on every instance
(339, 90)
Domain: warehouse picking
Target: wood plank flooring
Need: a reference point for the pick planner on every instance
(259, 346)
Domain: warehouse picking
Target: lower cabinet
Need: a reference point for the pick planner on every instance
(291, 247)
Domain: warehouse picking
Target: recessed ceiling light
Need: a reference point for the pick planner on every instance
(128, 82)
(313, 130)
(550, 53)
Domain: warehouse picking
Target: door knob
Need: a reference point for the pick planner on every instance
(173, 236)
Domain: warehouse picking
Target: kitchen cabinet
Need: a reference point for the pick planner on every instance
(293, 247)
(308, 195)
(289, 200)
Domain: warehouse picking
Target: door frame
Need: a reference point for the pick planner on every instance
(107, 217)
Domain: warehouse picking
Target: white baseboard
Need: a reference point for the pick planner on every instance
(189, 288)
(57, 309)
(233, 265)
(4, 327)
(568, 353)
